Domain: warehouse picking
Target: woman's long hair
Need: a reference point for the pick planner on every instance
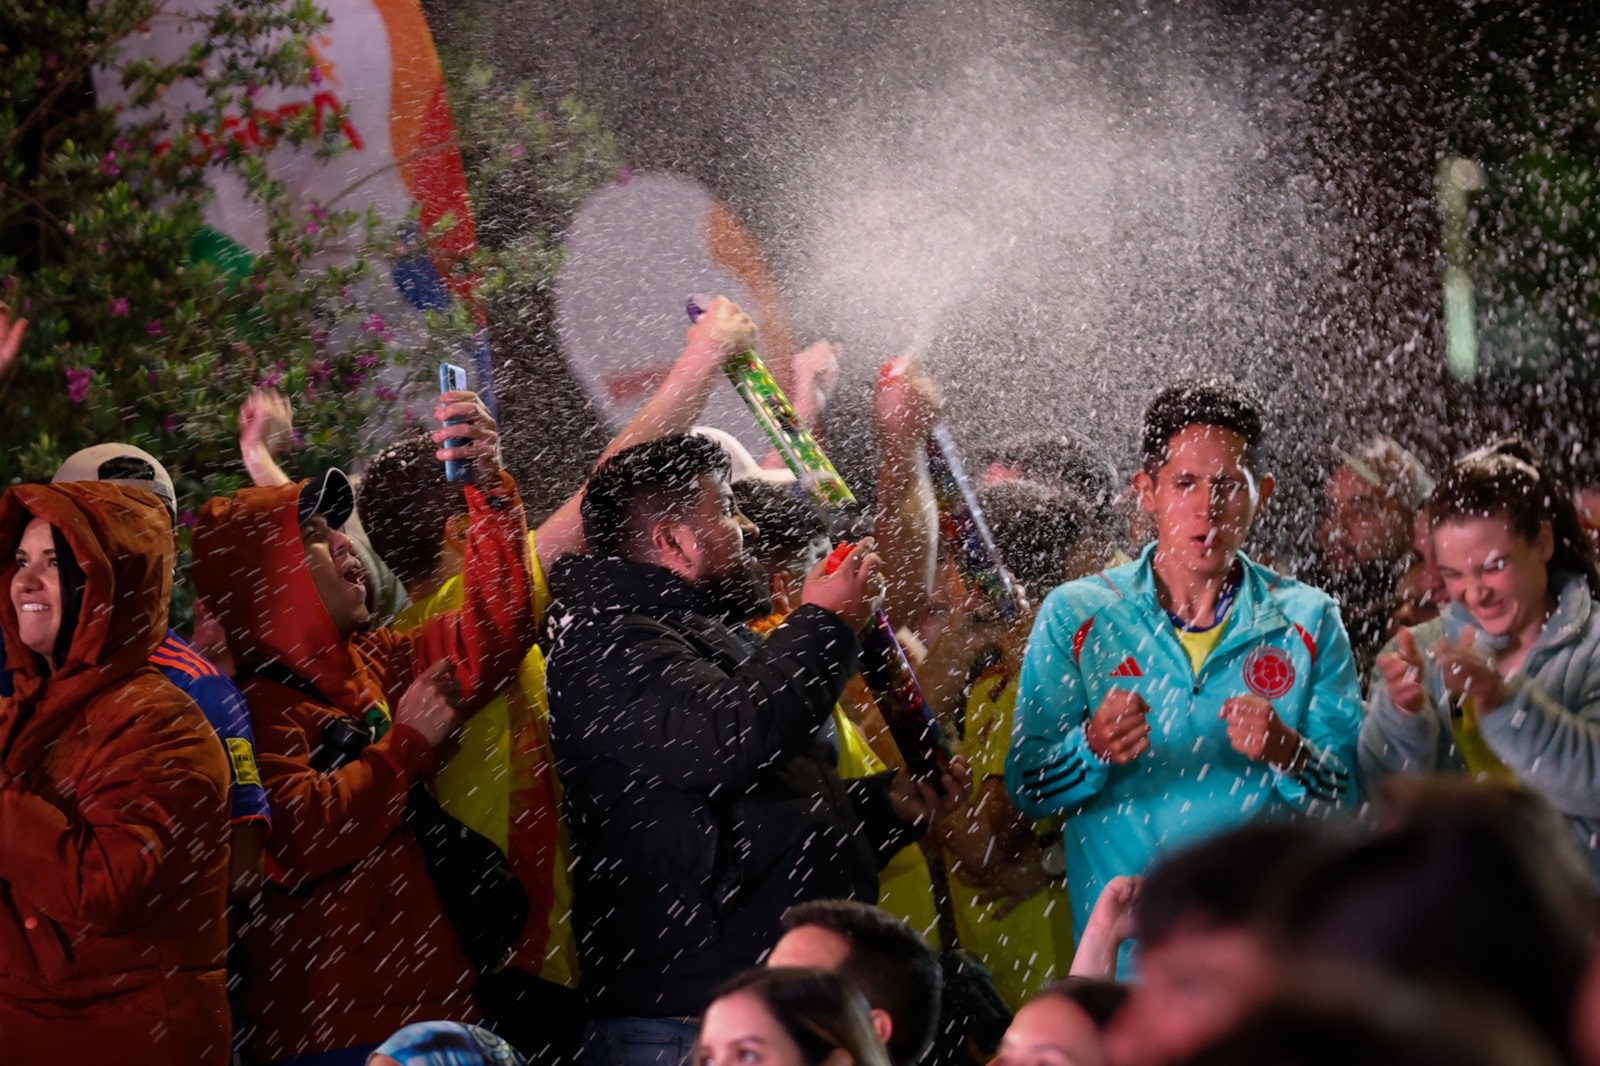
(821, 1012)
(1507, 480)
(73, 582)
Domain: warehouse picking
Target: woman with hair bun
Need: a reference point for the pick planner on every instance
(1505, 684)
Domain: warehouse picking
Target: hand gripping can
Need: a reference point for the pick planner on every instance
(775, 414)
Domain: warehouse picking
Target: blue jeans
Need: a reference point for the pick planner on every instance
(639, 1041)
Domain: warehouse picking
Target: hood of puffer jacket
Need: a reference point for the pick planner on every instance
(122, 539)
(250, 569)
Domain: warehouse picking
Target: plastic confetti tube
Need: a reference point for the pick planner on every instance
(962, 525)
(775, 414)
(887, 672)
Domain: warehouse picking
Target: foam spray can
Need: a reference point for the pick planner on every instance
(962, 525)
(775, 414)
(887, 672)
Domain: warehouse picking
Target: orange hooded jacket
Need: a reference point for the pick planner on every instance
(114, 824)
(351, 943)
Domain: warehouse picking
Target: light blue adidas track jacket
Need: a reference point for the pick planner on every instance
(1284, 642)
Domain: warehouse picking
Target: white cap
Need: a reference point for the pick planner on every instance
(745, 467)
(119, 464)
(1385, 464)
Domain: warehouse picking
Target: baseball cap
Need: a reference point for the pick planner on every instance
(120, 464)
(745, 467)
(330, 495)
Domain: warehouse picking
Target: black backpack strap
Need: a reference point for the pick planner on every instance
(279, 674)
(344, 736)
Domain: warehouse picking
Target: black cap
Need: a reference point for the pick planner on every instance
(328, 495)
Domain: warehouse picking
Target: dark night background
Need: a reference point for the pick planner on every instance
(1355, 101)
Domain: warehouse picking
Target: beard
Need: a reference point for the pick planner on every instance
(743, 594)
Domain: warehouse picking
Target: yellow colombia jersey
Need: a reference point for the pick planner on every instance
(502, 782)
(1200, 645)
(1033, 944)
(904, 888)
(1030, 946)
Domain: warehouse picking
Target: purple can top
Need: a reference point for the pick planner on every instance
(697, 305)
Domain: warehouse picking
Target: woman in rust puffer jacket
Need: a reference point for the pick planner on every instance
(113, 796)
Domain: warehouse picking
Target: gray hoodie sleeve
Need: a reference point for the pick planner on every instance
(1552, 748)
(1393, 741)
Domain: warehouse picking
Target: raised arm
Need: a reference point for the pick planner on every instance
(723, 331)
(905, 407)
(266, 429)
(497, 623)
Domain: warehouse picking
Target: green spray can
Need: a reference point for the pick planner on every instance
(775, 414)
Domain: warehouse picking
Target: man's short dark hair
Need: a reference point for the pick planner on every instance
(1225, 404)
(893, 966)
(640, 485)
(404, 502)
(787, 522)
(1035, 527)
(1232, 881)
(1097, 997)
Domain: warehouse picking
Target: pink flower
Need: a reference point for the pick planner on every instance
(373, 323)
(316, 74)
(78, 383)
(252, 89)
(516, 151)
(386, 394)
(319, 372)
(169, 423)
(270, 380)
(312, 228)
(319, 337)
(118, 306)
(317, 211)
(153, 327)
(108, 165)
(367, 360)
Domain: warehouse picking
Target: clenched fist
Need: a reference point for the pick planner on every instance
(1118, 732)
(1257, 733)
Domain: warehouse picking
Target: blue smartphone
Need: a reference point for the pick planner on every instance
(453, 378)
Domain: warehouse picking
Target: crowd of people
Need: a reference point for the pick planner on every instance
(425, 785)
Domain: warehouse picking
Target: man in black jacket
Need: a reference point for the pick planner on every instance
(697, 760)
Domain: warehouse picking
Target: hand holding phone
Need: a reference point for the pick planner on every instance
(453, 378)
